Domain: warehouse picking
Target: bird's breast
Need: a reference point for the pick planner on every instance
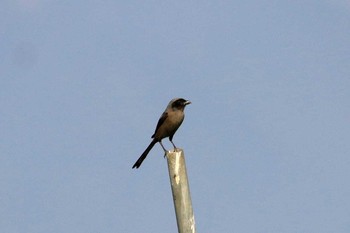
(170, 125)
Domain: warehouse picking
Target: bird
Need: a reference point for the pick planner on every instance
(168, 123)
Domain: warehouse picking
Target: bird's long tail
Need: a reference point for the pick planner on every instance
(144, 154)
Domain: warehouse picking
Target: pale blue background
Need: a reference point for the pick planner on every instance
(267, 138)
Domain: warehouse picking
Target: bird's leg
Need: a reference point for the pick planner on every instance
(160, 142)
(173, 145)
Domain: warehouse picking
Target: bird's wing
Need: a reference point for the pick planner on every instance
(160, 122)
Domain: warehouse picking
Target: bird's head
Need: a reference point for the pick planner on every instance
(179, 103)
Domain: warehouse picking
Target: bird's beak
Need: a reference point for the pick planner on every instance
(187, 102)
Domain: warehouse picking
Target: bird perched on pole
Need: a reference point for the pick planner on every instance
(168, 123)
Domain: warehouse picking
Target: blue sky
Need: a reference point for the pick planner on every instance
(266, 138)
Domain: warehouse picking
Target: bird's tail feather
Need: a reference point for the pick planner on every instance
(144, 154)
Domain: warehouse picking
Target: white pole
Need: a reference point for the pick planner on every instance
(181, 191)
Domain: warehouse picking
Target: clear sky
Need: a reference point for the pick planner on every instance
(266, 139)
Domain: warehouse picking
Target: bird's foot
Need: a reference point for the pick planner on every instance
(166, 153)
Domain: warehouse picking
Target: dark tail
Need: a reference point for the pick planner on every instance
(144, 154)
